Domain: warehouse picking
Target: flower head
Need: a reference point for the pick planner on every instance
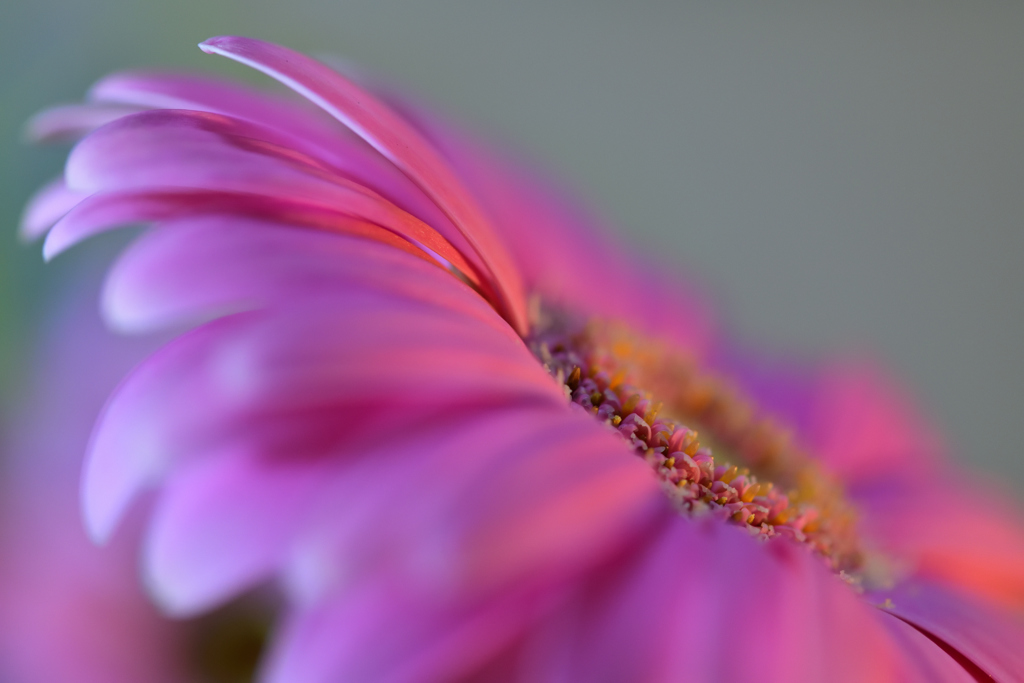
(467, 437)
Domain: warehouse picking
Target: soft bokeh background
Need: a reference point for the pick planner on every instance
(842, 176)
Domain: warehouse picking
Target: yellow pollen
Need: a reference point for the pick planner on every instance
(614, 375)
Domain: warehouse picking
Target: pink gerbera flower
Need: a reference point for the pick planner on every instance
(468, 439)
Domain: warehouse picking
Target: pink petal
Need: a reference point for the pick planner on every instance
(930, 662)
(848, 414)
(962, 534)
(302, 380)
(159, 150)
(308, 131)
(988, 638)
(72, 121)
(221, 525)
(46, 207)
(693, 602)
(396, 140)
(706, 602)
(236, 263)
(165, 90)
(109, 210)
(864, 426)
(128, 450)
(378, 632)
(353, 347)
(489, 498)
(557, 492)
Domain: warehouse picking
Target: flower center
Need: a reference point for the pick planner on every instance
(743, 468)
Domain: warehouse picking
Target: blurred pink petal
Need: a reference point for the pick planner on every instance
(249, 264)
(166, 90)
(72, 121)
(864, 426)
(989, 639)
(47, 207)
(622, 623)
(128, 440)
(977, 544)
(249, 367)
(378, 634)
(488, 498)
(928, 659)
(221, 525)
(750, 614)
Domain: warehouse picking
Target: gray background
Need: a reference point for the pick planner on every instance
(842, 177)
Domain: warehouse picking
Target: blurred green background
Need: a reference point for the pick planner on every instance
(841, 176)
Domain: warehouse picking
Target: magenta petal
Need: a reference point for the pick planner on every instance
(488, 497)
(395, 139)
(990, 639)
(707, 603)
(47, 207)
(222, 525)
(163, 90)
(170, 148)
(109, 210)
(931, 664)
(569, 493)
(379, 632)
(352, 348)
(302, 380)
(162, 150)
(978, 547)
(129, 448)
(848, 413)
(72, 121)
(863, 425)
(308, 131)
(244, 263)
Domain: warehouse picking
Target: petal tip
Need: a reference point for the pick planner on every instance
(53, 245)
(163, 579)
(214, 44)
(163, 594)
(98, 526)
(27, 231)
